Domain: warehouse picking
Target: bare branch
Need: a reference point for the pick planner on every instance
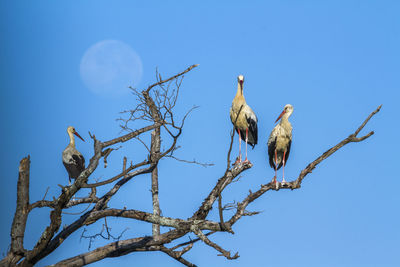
(350, 139)
(224, 226)
(108, 235)
(205, 165)
(52, 204)
(177, 255)
(143, 143)
(106, 153)
(224, 252)
(192, 241)
(79, 212)
(225, 180)
(367, 120)
(154, 155)
(108, 181)
(22, 210)
(131, 135)
(45, 194)
(172, 78)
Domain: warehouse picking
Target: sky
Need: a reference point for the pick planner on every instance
(334, 61)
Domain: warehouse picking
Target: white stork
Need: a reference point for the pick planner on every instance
(245, 121)
(279, 142)
(72, 159)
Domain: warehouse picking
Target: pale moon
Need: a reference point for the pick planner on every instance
(109, 67)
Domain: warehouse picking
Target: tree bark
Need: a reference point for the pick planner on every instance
(155, 153)
(17, 250)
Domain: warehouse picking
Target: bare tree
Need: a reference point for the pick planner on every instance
(155, 105)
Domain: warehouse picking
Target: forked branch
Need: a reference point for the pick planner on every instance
(155, 105)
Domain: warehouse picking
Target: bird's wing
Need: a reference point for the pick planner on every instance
(253, 130)
(273, 135)
(271, 151)
(68, 168)
(252, 120)
(250, 113)
(232, 115)
(272, 145)
(80, 161)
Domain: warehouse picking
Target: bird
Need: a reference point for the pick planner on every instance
(279, 142)
(243, 119)
(72, 159)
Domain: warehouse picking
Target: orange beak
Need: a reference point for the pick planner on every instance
(280, 116)
(75, 133)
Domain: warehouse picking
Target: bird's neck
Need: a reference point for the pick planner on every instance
(285, 120)
(239, 92)
(71, 139)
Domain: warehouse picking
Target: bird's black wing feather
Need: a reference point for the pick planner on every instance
(271, 153)
(68, 168)
(253, 131)
(80, 162)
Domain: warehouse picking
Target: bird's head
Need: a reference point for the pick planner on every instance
(240, 79)
(288, 110)
(240, 83)
(72, 130)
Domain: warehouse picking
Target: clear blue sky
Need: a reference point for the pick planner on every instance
(334, 61)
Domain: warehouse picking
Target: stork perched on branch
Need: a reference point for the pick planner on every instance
(244, 119)
(72, 159)
(279, 142)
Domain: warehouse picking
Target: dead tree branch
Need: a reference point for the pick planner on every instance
(17, 250)
(155, 154)
(155, 106)
(205, 239)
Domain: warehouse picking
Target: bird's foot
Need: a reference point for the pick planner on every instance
(283, 181)
(238, 160)
(275, 183)
(246, 161)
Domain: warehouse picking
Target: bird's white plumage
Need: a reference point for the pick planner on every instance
(243, 118)
(68, 152)
(280, 139)
(72, 159)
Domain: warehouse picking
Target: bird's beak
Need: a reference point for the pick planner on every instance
(75, 133)
(280, 116)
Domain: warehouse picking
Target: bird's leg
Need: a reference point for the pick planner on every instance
(276, 163)
(239, 159)
(247, 132)
(283, 170)
(240, 147)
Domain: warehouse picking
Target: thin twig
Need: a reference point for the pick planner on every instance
(207, 241)
(108, 181)
(205, 165)
(172, 78)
